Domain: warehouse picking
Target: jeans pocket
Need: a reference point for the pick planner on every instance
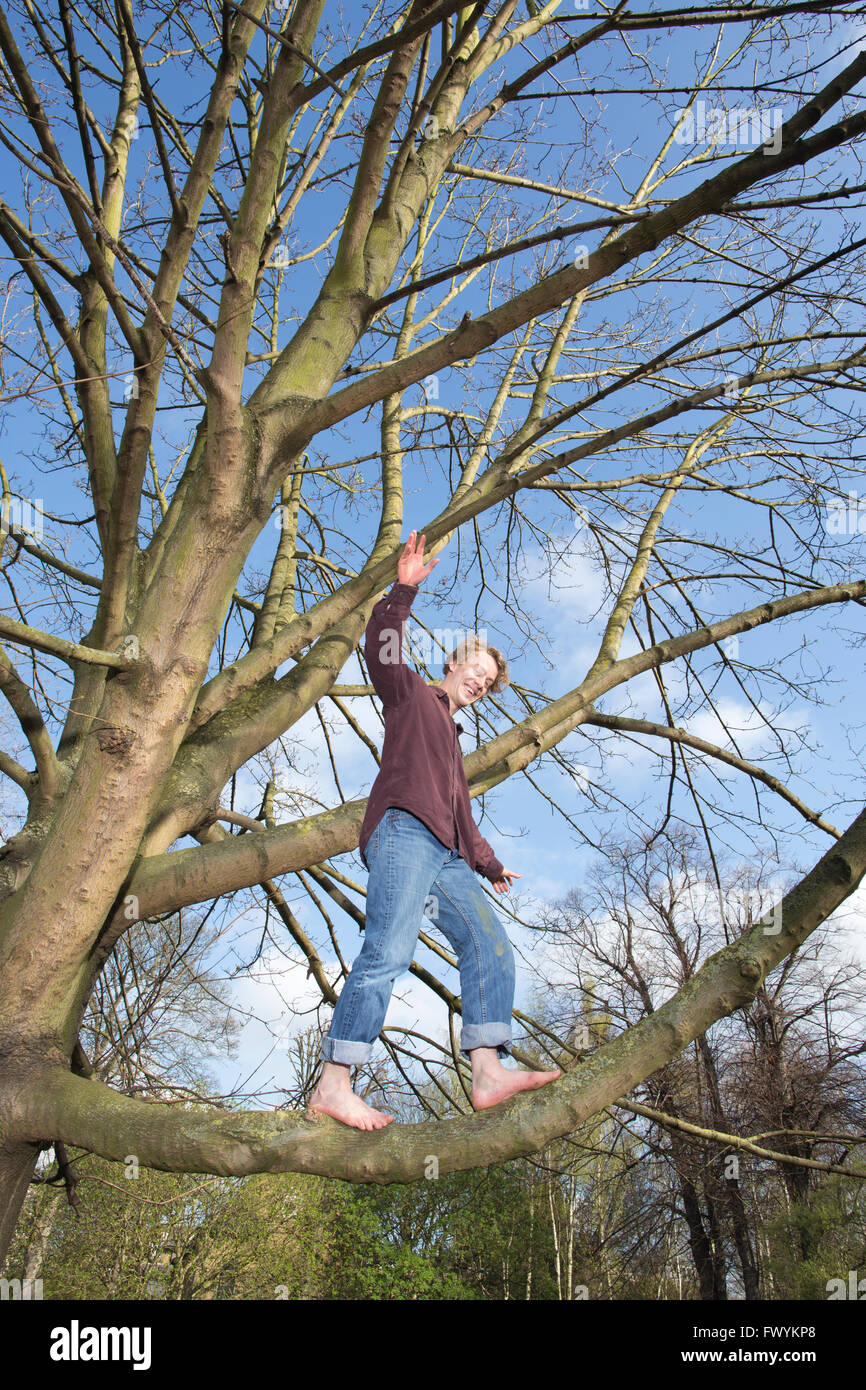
(381, 828)
(371, 849)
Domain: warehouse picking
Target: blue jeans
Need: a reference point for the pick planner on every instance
(415, 881)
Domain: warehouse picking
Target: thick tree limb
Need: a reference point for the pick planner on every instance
(734, 1141)
(69, 652)
(90, 1115)
(606, 260)
(32, 724)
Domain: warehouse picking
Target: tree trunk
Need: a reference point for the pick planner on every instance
(40, 1236)
(17, 1162)
(742, 1238)
(699, 1242)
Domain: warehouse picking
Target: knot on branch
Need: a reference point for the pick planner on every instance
(115, 741)
(837, 868)
(750, 968)
(208, 819)
(64, 1173)
(231, 276)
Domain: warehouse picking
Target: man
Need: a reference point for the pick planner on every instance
(420, 845)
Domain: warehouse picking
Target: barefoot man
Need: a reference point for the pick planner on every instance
(422, 848)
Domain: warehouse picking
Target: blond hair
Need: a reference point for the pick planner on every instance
(471, 644)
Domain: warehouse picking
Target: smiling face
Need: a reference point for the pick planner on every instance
(468, 680)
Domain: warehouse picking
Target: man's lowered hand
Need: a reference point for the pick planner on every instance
(503, 883)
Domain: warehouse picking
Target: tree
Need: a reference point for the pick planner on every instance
(165, 268)
(777, 1092)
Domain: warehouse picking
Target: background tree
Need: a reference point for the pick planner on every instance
(785, 1073)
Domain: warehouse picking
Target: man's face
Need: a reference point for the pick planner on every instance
(468, 680)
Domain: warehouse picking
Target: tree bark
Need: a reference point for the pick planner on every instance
(17, 1162)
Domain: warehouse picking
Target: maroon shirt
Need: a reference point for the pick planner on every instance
(422, 765)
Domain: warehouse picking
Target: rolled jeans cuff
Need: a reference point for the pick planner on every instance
(353, 1054)
(496, 1035)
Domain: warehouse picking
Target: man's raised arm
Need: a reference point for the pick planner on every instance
(383, 641)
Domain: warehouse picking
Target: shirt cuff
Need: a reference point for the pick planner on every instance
(401, 596)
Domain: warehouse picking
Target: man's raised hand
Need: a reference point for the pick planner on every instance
(410, 567)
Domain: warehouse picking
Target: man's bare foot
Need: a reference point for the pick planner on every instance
(492, 1086)
(352, 1111)
(334, 1096)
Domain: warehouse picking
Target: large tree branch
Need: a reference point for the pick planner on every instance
(361, 57)
(735, 1141)
(59, 1105)
(119, 542)
(32, 724)
(519, 746)
(70, 652)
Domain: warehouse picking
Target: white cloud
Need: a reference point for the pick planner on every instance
(567, 588)
(744, 721)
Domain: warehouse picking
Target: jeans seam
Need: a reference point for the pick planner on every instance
(349, 1020)
(474, 940)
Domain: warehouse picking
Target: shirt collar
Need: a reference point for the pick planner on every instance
(443, 695)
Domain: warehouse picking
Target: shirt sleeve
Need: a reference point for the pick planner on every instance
(486, 862)
(392, 679)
